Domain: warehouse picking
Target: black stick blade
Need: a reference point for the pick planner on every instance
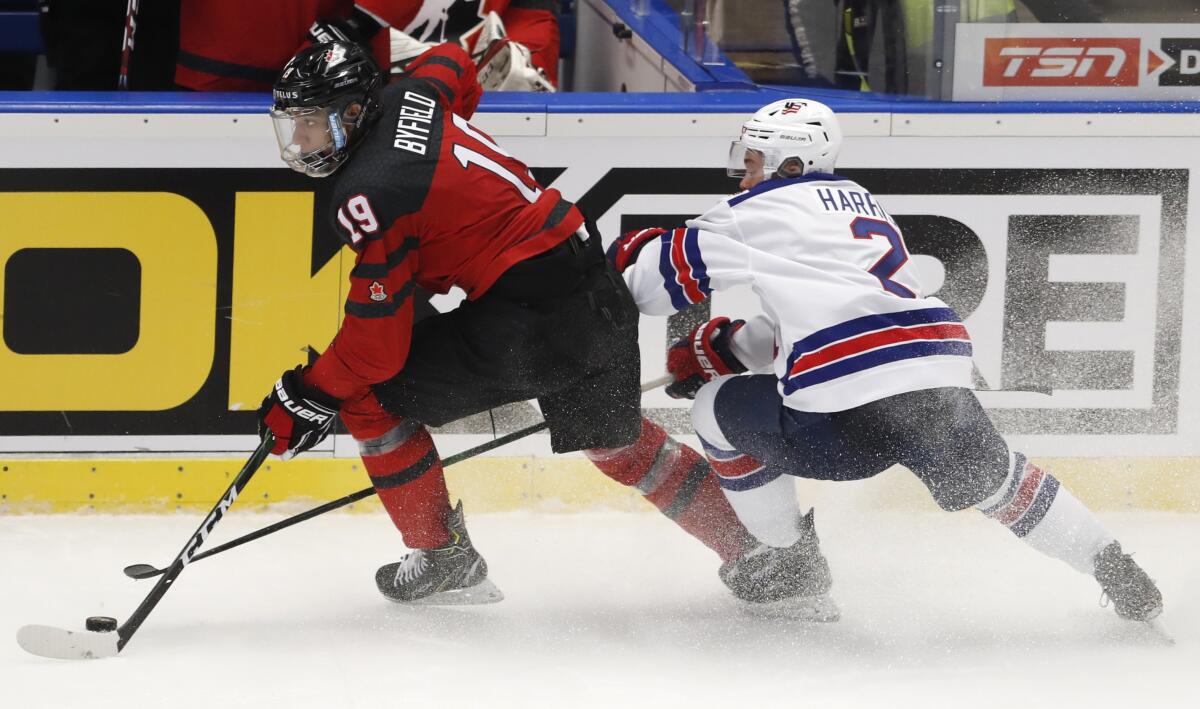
(142, 571)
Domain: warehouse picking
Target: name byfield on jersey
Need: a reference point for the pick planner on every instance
(411, 135)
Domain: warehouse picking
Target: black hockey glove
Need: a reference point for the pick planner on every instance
(702, 356)
(298, 415)
(359, 28)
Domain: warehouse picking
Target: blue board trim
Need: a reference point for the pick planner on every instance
(707, 102)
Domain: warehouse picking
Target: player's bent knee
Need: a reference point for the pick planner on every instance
(961, 486)
(704, 414)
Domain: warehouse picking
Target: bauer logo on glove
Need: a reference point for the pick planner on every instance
(299, 416)
(316, 414)
(702, 356)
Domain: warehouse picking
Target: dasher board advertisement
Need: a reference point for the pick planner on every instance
(148, 309)
(1076, 62)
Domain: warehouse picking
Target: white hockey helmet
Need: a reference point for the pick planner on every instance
(791, 128)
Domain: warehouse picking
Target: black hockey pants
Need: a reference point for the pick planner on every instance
(560, 327)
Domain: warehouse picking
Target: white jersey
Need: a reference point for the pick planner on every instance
(833, 274)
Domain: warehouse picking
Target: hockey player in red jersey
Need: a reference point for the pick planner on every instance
(426, 199)
(531, 23)
(233, 45)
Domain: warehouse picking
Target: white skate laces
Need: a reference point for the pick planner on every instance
(410, 567)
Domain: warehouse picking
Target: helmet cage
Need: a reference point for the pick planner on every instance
(313, 97)
(314, 140)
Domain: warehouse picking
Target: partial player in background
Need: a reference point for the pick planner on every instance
(102, 45)
(232, 45)
(866, 370)
(517, 39)
(426, 199)
(503, 63)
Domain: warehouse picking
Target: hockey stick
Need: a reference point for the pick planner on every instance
(131, 10)
(146, 571)
(102, 639)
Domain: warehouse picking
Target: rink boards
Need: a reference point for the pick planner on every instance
(187, 254)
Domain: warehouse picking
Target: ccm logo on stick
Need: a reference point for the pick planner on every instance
(1095, 61)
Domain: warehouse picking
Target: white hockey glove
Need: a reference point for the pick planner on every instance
(404, 48)
(505, 65)
(508, 66)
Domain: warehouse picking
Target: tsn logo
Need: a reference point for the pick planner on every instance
(1093, 61)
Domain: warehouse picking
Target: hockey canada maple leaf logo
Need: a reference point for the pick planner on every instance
(335, 55)
(377, 291)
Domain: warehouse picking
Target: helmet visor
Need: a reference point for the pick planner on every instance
(308, 139)
(744, 160)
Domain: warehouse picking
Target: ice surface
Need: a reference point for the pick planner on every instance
(603, 609)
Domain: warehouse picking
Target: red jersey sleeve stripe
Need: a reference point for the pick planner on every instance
(394, 259)
(385, 309)
(443, 61)
(216, 67)
(448, 70)
(441, 87)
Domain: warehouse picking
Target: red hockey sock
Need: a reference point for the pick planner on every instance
(411, 486)
(405, 469)
(679, 482)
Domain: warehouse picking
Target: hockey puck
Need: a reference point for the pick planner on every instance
(100, 624)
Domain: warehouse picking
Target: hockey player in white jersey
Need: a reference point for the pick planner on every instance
(865, 371)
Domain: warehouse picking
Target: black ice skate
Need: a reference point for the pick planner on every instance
(792, 581)
(1133, 594)
(454, 574)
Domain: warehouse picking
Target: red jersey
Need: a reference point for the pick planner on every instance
(533, 23)
(427, 199)
(234, 45)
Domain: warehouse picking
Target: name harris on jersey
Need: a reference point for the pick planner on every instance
(412, 127)
(836, 199)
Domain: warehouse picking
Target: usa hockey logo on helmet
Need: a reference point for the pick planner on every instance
(791, 128)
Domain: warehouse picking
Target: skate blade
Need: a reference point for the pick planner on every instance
(1156, 627)
(481, 593)
(809, 609)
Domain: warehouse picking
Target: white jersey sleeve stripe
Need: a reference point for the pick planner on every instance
(684, 274)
